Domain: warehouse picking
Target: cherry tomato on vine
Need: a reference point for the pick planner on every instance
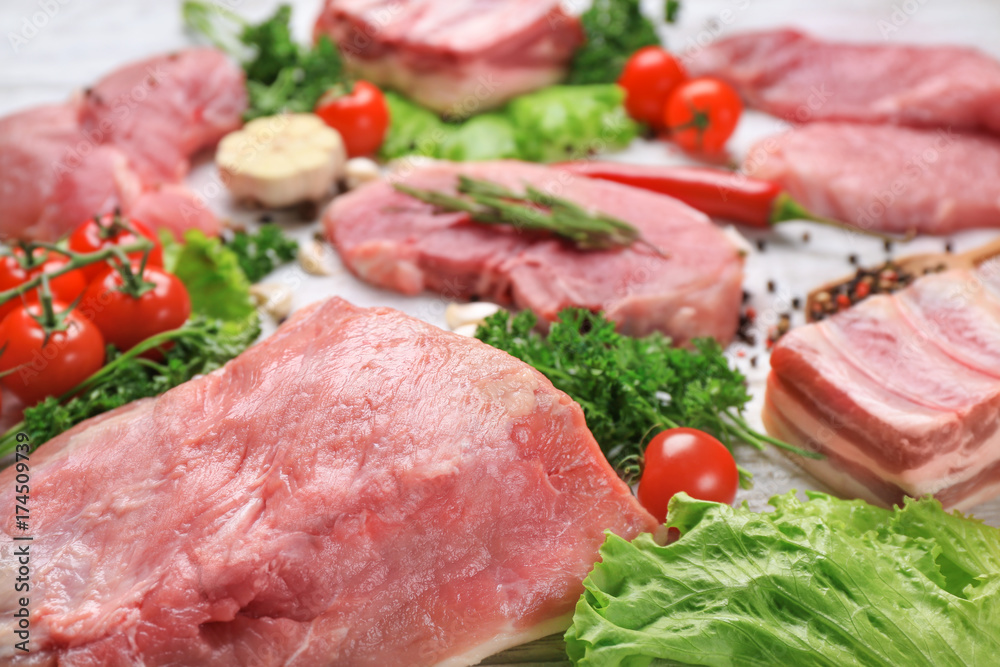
(107, 231)
(126, 320)
(361, 117)
(649, 77)
(66, 287)
(49, 368)
(685, 459)
(702, 114)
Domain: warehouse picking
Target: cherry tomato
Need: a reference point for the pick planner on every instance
(66, 287)
(125, 320)
(649, 77)
(685, 459)
(362, 117)
(702, 114)
(67, 359)
(106, 231)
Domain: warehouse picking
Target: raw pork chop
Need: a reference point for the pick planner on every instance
(361, 488)
(902, 392)
(163, 110)
(176, 209)
(458, 57)
(886, 178)
(124, 144)
(397, 242)
(801, 79)
(46, 186)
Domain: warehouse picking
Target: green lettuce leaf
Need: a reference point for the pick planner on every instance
(825, 582)
(557, 123)
(413, 129)
(218, 286)
(489, 136)
(571, 122)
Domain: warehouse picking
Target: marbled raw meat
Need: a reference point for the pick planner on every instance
(126, 143)
(458, 57)
(886, 178)
(803, 79)
(392, 240)
(901, 392)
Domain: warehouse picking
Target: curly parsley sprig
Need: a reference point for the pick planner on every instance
(614, 30)
(282, 76)
(631, 387)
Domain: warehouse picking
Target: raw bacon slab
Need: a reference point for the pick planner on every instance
(901, 392)
(886, 178)
(361, 488)
(458, 57)
(125, 143)
(394, 241)
(796, 77)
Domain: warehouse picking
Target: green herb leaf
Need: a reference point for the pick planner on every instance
(219, 24)
(281, 75)
(494, 204)
(827, 582)
(629, 388)
(614, 29)
(274, 48)
(672, 9)
(261, 252)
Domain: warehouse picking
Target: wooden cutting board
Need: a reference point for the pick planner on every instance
(545, 652)
(913, 266)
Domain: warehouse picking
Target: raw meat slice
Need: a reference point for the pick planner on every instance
(801, 79)
(115, 146)
(52, 177)
(361, 488)
(163, 110)
(397, 242)
(901, 392)
(886, 178)
(175, 208)
(459, 57)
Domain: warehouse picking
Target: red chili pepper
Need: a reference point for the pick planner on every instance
(715, 192)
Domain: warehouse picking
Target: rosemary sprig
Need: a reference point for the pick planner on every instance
(494, 204)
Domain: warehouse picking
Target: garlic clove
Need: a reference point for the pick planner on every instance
(313, 260)
(460, 314)
(273, 298)
(467, 330)
(361, 170)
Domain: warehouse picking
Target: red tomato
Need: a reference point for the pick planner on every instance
(702, 114)
(67, 359)
(685, 459)
(65, 288)
(649, 77)
(362, 117)
(99, 233)
(125, 320)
